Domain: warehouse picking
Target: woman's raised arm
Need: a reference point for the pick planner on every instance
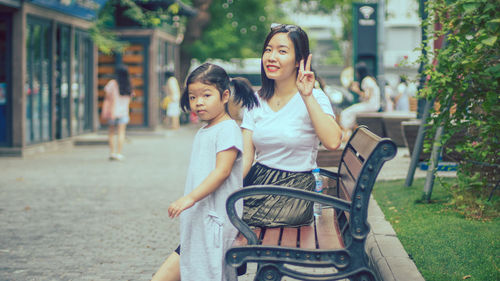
(327, 129)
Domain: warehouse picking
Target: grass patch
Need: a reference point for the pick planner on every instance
(443, 243)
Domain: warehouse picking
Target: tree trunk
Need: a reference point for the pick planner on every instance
(194, 30)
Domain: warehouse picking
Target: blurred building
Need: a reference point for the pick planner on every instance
(48, 76)
(402, 36)
(51, 74)
(150, 54)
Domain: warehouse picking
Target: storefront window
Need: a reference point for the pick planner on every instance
(38, 125)
(160, 68)
(82, 61)
(62, 74)
(5, 57)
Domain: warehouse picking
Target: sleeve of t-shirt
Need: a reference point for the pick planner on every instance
(110, 89)
(368, 82)
(323, 101)
(229, 136)
(248, 121)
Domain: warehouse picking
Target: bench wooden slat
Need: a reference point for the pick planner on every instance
(327, 231)
(307, 237)
(347, 183)
(343, 194)
(242, 241)
(352, 162)
(289, 237)
(271, 236)
(363, 146)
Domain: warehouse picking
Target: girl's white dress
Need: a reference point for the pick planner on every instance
(206, 232)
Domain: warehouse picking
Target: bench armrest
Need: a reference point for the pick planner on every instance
(329, 174)
(275, 190)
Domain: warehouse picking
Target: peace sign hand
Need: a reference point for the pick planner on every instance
(305, 78)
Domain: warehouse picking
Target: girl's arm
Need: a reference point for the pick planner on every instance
(223, 166)
(327, 129)
(248, 151)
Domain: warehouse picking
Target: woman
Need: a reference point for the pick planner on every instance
(282, 135)
(115, 109)
(369, 94)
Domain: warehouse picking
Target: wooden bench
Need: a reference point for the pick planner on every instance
(336, 239)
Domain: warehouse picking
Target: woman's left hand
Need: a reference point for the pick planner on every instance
(305, 78)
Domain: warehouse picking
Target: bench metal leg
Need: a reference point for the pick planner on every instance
(275, 272)
(268, 272)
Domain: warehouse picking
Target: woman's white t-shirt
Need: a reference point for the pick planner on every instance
(285, 139)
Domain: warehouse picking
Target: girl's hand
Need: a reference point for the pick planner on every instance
(305, 78)
(181, 204)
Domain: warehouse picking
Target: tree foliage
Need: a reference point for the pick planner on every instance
(464, 80)
(237, 29)
(134, 13)
(343, 6)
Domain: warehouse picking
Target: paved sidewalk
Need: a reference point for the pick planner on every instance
(75, 215)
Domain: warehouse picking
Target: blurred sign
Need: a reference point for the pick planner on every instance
(365, 35)
(85, 9)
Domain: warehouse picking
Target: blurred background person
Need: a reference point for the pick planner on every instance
(369, 96)
(388, 96)
(401, 97)
(173, 94)
(115, 109)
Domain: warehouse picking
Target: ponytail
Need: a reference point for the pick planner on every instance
(243, 92)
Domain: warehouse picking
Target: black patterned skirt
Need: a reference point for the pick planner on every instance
(274, 210)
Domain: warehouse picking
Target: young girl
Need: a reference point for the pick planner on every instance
(215, 171)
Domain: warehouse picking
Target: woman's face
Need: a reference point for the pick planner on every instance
(278, 58)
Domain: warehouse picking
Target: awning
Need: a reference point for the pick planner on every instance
(85, 9)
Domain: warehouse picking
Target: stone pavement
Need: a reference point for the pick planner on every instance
(74, 215)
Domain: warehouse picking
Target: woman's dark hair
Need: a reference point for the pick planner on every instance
(123, 79)
(362, 70)
(211, 74)
(301, 45)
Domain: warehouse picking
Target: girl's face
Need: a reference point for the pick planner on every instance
(206, 101)
(278, 58)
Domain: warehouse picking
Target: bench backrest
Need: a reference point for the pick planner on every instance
(361, 161)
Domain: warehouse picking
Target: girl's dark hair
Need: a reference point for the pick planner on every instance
(301, 45)
(211, 74)
(123, 79)
(362, 70)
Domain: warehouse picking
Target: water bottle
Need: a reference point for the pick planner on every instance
(319, 189)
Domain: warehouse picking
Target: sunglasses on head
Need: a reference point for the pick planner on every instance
(287, 27)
